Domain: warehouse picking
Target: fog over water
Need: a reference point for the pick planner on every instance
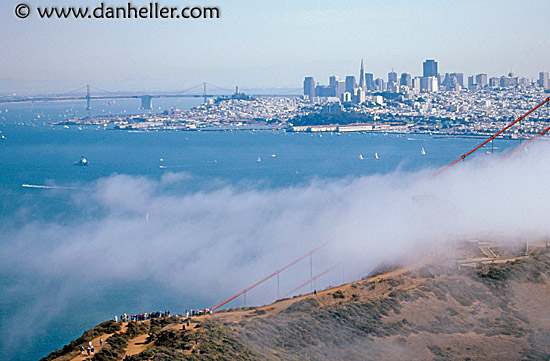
(214, 242)
(124, 235)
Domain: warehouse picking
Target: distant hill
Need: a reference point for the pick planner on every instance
(498, 312)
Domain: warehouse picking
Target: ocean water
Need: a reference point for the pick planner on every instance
(38, 154)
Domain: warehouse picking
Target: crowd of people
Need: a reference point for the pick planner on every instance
(193, 312)
(151, 315)
(141, 316)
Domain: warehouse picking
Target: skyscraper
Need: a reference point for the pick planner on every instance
(309, 87)
(406, 80)
(459, 78)
(481, 80)
(333, 80)
(350, 84)
(362, 83)
(543, 80)
(472, 84)
(369, 79)
(392, 77)
(379, 85)
(430, 68)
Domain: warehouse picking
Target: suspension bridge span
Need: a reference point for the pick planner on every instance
(203, 90)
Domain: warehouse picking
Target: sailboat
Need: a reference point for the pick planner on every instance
(375, 155)
(423, 152)
(361, 156)
(259, 160)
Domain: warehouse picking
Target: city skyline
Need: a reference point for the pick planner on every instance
(431, 80)
(273, 44)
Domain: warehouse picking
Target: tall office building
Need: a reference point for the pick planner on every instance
(379, 85)
(333, 80)
(543, 80)
(430, 68)
(417, 84)
(340, 88)
(406, 80)
(472, 84)
(369, 79)
(459, 78)
(309, 87)
(350, 84)
(324, 91)
(429, 84)
(453, 81)
(433, 84)
(494, 82)
(392, 77)
(362, 82)
(481, 80)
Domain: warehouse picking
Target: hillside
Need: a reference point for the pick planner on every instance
(499, 311)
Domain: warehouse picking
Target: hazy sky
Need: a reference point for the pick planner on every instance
(272, 43)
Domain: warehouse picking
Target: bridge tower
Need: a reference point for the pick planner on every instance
(204, 92)
(146, 102)
(88, 97)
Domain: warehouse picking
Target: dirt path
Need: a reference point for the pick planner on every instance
(95, 342)
(138, 344)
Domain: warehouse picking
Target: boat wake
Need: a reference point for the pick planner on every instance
(24, 185)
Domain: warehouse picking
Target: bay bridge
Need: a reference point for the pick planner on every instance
(204, 90)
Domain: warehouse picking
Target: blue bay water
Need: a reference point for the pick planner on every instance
(36, 153)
